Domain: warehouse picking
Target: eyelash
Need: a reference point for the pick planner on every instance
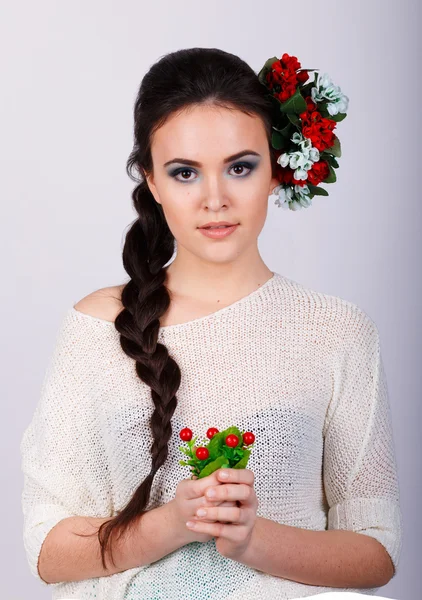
(182, 169)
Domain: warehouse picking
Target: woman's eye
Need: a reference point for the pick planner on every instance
(242, 166)
(184, 174)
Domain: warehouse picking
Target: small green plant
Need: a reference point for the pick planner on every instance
(230, 448)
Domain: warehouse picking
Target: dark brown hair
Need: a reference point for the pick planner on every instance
(184, 78)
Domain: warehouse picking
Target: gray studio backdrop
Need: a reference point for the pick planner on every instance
(69, 75)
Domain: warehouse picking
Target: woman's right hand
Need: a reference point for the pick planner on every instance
(189, 496)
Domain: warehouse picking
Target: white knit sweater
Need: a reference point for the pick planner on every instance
(299, 368)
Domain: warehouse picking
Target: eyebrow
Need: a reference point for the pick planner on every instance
(195, 163)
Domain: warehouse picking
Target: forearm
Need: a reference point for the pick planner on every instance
(333, 558)
(68, 557)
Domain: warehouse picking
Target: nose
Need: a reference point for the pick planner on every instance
(214, 194)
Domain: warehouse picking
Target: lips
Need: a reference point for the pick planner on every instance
(212, 225)
(217, 233)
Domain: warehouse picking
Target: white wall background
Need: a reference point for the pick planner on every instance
(69, 75)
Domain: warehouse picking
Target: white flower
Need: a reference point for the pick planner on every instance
(314, 155)
(285, 196)
(293, 198)
(302, 194)
(298, 159)
(283, 159)
(301, 174)
(301, 161)
(326, 90)
(297, 138)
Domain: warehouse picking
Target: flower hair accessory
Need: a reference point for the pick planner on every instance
(228, 448)
(304, 116)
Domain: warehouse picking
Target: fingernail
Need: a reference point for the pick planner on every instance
(190, 523)
(210, 493)
(224, 475)
(201, 512)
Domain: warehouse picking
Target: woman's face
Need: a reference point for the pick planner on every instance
(195, 181)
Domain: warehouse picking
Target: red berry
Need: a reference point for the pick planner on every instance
(232, 440)
(202, 453)
(211, 432)
(248, 438)
(186, 434)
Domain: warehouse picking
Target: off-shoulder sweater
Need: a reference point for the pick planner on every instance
(299, 368)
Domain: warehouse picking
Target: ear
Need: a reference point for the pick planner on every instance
(274, 181)
(152, 188)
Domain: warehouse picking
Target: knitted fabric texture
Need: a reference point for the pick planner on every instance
(299, 368)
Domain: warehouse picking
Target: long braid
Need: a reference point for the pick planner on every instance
(149, 245)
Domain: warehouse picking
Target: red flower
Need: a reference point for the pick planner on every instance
(290, 62)
(283, 80)
(320, 133)
(303, 76)
(300, 182)
(284, 175)
(316, 127)
(318, 173)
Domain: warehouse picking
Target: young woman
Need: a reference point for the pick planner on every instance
(212, 338)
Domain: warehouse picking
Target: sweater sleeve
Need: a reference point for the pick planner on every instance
(360, 471)
(63, 462)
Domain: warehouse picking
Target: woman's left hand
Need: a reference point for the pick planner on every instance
(233, 525)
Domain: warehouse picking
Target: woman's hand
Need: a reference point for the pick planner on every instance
(188, 498)
(232, 527)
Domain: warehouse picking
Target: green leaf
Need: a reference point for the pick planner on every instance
(294, 119)
(335, 149)
(278, 141)
(212, 466)
(243, 461)
(329, 158)
(286, 130)
(267, 67)
(185, 450)
(295, 104)
(215, 445)
(331, 177)
(338, 117)
(317, 191)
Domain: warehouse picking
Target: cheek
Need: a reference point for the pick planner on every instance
(254, 209)
(179, 211)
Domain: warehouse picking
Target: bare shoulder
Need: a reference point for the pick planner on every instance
(104, 303)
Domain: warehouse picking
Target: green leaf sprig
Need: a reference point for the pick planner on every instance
(230, 448)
